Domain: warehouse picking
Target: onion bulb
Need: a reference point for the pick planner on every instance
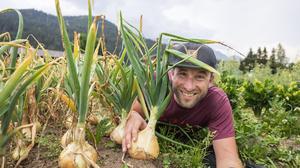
(146, 146)
(67, 138)
(118, 133)
(20, 149)
(79, 153)
(75, 153)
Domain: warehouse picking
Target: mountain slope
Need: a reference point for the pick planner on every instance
(46, 29)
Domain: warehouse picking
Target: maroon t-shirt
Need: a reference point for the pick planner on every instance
(213, 111)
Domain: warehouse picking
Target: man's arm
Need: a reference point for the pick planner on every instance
(227, 153)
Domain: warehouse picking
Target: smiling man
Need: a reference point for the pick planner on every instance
(196, 102)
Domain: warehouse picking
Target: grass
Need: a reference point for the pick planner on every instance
(50, 145)
(179, 156)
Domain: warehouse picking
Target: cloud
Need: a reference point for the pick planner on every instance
(242, 24)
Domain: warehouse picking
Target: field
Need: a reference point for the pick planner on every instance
(83, 95)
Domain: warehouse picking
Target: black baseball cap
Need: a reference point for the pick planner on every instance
(200, 51)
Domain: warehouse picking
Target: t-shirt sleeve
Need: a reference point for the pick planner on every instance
(221, 122)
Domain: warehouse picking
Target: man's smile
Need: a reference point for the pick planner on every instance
(188, 94)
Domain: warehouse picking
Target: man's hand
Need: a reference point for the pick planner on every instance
(134, 124)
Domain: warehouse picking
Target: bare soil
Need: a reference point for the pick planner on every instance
(109, 157)
(46, 151)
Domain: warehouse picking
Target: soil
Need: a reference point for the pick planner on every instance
(109, 157)
(46, 151)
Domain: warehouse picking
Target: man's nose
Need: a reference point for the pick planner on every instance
(189, 85)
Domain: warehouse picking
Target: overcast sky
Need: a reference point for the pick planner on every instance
(239, 23)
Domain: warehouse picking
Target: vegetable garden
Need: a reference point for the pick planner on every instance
(71, 111)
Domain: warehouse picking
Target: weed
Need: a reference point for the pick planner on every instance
(51, 143)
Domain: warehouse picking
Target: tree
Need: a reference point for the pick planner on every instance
(281, 57)
(273, 63)
(259, 53)
(249, 62)
(259, 56)
(264, 58)
(252, 60)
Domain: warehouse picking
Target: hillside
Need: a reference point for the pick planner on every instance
(46, 29)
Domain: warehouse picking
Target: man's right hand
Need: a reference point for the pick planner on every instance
(134, 124)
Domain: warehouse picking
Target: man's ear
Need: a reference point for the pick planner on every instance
(212, 77)
(171, 74)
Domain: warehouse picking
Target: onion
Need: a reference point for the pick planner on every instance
(118, 133)
(75, 153)
(67, 138)
(146, 147)
(20, 149)
(79, 153)
(69, 120)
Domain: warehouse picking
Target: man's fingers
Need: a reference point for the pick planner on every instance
(127, 141)
(134, 134)
(124, 149)
(134, 124)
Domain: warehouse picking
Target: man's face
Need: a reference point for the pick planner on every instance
(189, 85)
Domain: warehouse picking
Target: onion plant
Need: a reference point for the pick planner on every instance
(27, 112)
(13, 89)
(153, 85)
(119, 89)
(78, 152)
(17, 108)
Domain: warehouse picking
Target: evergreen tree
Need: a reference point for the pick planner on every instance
(273, 63)
(249, 62)
(281, 57)
(264, 58)
(259, 56)
(252, 60)
(242, 66)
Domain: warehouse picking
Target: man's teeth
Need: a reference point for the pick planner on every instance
(188, 94)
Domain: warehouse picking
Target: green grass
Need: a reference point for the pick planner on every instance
(49, 146)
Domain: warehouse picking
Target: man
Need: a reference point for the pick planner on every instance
(197, 102)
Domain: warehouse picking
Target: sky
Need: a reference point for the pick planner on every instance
(242, 24)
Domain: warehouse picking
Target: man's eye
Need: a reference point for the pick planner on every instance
(182, 74)
(200, 77)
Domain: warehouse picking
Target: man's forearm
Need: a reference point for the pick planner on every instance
(227, 153)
